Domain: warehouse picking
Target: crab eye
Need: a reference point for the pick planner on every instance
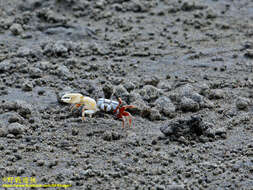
(66, 98)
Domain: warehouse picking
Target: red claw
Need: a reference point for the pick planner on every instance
(123, 114)
(120, 102)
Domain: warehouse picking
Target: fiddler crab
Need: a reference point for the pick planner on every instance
(90, 106)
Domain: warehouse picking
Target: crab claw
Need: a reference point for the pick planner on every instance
(120, 102)
(75, 106)
(72, 98)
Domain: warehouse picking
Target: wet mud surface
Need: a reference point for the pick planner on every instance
(185, 65)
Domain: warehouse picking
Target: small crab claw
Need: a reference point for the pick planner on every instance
(75, 106)
(120, 102)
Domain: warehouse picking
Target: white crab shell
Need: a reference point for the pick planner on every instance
(106, 104)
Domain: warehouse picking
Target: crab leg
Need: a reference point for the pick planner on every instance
(83, 113)
(130, 120)
(123, 122)
(129, 106)
(89, 112)
(75, 106)
(128, 116)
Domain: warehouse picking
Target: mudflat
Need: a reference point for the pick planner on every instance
(186, 66)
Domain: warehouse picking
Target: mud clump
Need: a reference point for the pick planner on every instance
(184, 64)
(111, 136)
(165, 106)
(16, 29)
(242, 103)
(188, 104)
(16, 129)
(191, 128)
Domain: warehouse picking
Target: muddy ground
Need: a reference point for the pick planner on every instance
(186, 65)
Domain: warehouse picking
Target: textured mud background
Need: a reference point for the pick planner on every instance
(186, 65)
